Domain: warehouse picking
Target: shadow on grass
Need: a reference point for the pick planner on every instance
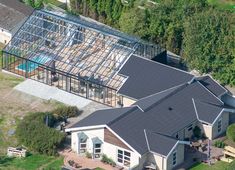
(4, 161)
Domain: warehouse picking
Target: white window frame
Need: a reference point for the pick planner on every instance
(83, 149)
(125, 159)
(219, 125)
(174, 157)
(97, 154)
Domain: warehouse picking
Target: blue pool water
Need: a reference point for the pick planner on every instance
(41, 59)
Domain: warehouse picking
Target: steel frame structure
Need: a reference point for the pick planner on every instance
(75, 48)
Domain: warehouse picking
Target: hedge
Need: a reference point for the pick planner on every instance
(230, 133)
(33, 133)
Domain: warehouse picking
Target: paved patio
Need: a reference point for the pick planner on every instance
(47, 92)
(84, 162)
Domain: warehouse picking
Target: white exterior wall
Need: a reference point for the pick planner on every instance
(179, 157)
(163, 163)
(111, 151)
(107, 148)
(5, 36)
(212, 131)
(127, 101)
(184, 133)
(91, 134)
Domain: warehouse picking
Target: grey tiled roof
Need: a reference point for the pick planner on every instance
(102, 117)
(146, 77)
(12, 14)
(207, 112)
(172, 111)
(212, 85)
(159, 143)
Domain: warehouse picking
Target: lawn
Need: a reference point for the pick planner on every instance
(1, 47)
(31, 162)
(13, 106)
(220, 165)
(223, 4)
(56, 3)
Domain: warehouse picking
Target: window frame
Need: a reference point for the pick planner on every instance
(97, 154)
(124, 157)
(219, 125)
(82, 149)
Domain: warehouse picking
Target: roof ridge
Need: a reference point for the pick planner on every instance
(210, 92)
(158, 133)
(165, 65)
(168, 95)
(209, 104)
(132, 108)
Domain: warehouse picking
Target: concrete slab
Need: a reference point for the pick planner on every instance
(47, 92)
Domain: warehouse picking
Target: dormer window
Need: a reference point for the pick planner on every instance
(82, 139)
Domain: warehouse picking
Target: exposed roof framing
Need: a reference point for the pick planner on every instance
(77, 46)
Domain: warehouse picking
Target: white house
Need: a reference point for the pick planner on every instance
(151, 131)
(13, 13)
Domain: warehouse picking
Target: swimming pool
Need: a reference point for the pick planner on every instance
(30, 66)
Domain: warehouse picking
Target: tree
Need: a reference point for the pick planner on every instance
(135, 22)
(34, 3)
(33, 133)
(209, 44)
(167, 19)
(230, 133)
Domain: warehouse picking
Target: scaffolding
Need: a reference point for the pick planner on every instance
(75, 54)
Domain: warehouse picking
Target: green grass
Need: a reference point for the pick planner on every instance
(1, 47)
(98, 168)
(223, 4)
(56, 3)
(55, 164)
(11, 81)
(31, 162)
(220, 165)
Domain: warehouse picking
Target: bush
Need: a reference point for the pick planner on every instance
(65, 112)
(197, 132)
(88, 155)
(219, 144)
(33, 133)
(230, 133)
(107, 160)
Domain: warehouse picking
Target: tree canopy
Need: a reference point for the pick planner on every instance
(201, 33)
(33, 133)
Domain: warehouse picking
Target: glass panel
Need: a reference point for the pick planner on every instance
(120, 152)
(97, 145)
(120, 160)
(127, 153)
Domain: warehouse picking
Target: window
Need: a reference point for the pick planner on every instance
(219, 125)
(174, 158)
(97, 150)
(124, 157)
(190, 127)
(82, 146)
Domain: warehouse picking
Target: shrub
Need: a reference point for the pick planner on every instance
(197, 132)
(230, 133)
(88, 155)
(219, 144)
(107, 160)
(64, 112)
(33, 133)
